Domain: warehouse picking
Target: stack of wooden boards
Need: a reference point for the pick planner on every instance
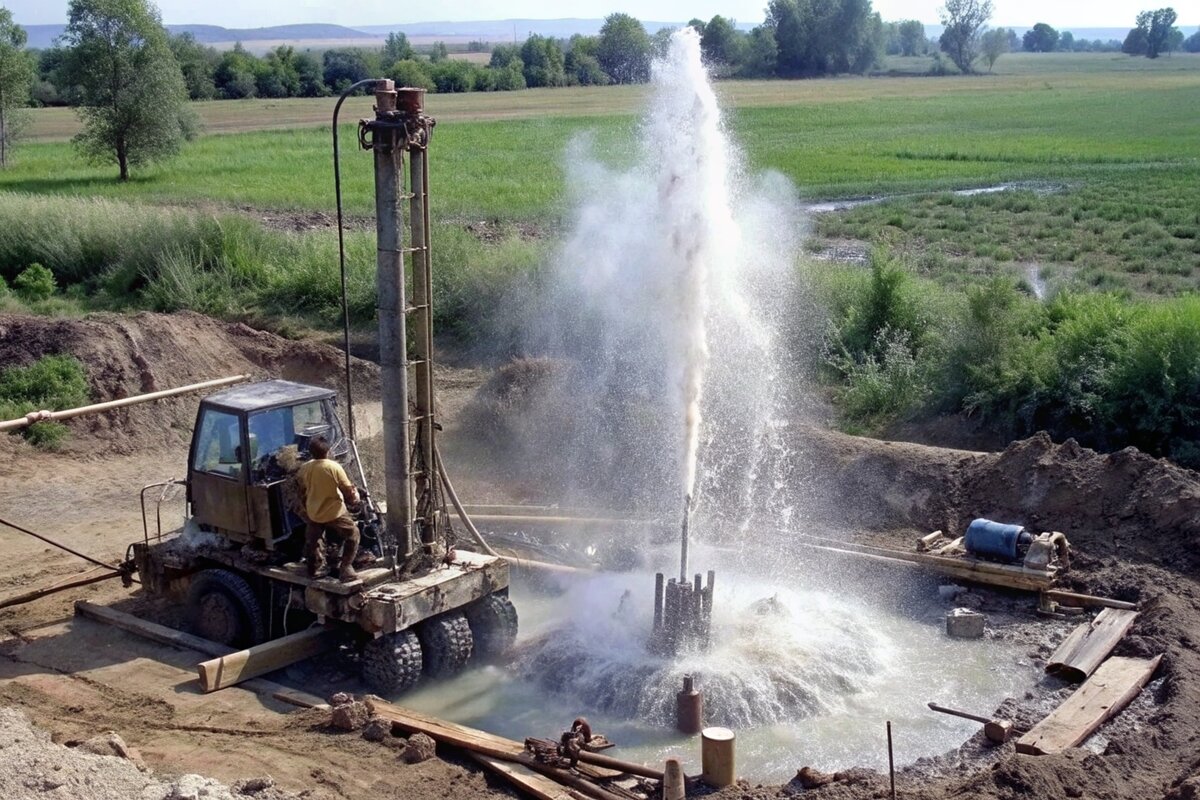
(1108, 685)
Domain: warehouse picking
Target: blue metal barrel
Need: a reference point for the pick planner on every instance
(995, 539)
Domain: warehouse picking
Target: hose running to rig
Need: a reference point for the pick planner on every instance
(59, 545)
(458, 506)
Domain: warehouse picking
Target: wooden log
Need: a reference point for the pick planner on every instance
(186, 641)
(231, 669)
(1089, 644)
(38, 416)
(928, 540)
(972, 571)
(525, 779)
(718, 757)
(955, 546)
(1087, 600)
(1099, 699)
(94, 575)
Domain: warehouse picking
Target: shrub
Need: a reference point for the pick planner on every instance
(888, 384)
(35, 283)
(51, 382)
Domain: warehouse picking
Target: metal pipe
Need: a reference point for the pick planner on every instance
(48, 416)
(337, 188)
(393, 336)
(891, 760)
(683, 542)
(59, 545)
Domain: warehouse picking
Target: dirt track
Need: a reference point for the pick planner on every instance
(1134, 522)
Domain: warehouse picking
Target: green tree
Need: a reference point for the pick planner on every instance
(624, 49)
(762, 54)
(503, 55)
(912, 38)
(397, 48)
(234, 75)
(439, 52)
(544, 62)
(1192, 44)
(581, 64)
(1153, 34)
(197, 63)
(1066, 42)
(960, 40)
(344, 67)
(993, 44)
(410, 72)
(1041, 38)
(16, 79)
(133, 101)
(722, 45)
(278, 75)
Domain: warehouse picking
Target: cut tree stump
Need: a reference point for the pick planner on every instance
(1089, 644)
(1098, 700)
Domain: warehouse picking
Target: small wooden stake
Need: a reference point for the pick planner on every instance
(717, 757)
(673, 785)
(891, 760)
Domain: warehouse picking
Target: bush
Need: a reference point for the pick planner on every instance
(886, 385)
(36, 283)
(52, 382)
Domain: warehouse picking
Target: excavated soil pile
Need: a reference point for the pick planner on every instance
(32, 767)
(125, 355)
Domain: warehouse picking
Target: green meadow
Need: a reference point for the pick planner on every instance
(1100, 154)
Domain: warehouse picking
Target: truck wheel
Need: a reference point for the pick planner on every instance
(446, 641)
(392, 662)
(222, 608)
(493, 623)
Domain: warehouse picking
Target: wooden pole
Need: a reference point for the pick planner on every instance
(37, 416)
(233, 668)
(718, 757)
(94, 575)
(891, 760)
(1073, 599)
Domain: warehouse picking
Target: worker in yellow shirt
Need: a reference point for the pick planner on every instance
(326, 490)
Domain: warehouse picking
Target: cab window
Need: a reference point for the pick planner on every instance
(218, 444)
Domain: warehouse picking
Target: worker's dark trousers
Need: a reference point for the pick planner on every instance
(343, 528)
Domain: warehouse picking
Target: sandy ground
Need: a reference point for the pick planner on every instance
(1134, 521)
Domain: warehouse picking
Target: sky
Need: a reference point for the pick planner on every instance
(241, 14)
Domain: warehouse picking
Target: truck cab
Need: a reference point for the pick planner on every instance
(246, 441)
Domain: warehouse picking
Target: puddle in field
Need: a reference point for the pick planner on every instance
(833, 206)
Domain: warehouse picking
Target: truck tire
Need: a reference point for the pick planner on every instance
(493, 622)
(222, 608)
(446, 641)
(392, 663)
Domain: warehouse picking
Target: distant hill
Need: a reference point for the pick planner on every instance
(497, 30)
(42, 36)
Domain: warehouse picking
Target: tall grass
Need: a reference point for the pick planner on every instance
(1105, 369)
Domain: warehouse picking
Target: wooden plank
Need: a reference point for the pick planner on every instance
(186, 641)
(527, 780)
(1089, 644)
(231, 669)
(150, 630)
(973, 571)
(1088, 600)
(1113, 686)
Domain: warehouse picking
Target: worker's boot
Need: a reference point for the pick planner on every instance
(346, 572)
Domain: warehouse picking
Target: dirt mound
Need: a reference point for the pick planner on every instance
(125, 355)
(1124, 503)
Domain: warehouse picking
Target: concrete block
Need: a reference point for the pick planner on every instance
(963, 623)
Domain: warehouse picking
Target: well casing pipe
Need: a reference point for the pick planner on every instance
(392, 307)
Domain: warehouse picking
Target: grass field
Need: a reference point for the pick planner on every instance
(1104, 152)
(1113, 143)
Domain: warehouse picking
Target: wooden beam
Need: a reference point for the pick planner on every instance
(525, 779)
(1099, 699)
(186, 641)
(234, 668)
(1089, 644)
(1088, 600)
(150, 630)
(973, 571)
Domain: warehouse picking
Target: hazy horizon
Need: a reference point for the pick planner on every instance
(269, 13)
